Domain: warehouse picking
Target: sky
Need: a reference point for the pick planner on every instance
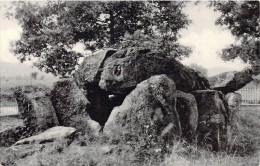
(203, 36)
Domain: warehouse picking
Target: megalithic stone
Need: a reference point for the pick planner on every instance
(188, 113)
(214, 115)
(148, 117)
(70, 105)
(89, 71)
(234, 101)
(127, 67)
(230, 81)
(35, 108)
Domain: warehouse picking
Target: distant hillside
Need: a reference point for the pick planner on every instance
(257, 77)
(217, 70)
(20, 69)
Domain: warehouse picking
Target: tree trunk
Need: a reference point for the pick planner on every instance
(111, 26)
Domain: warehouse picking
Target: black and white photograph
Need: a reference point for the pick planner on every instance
(129, 83)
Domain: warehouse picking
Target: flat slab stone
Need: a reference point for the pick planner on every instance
(50, 135)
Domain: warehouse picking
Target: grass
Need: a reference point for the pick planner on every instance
(86, 151)
(246, 133)
(9, 122)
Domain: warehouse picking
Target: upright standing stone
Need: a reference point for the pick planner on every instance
(148, 117)
(35, 108)
(188, 112)
(71, 104)
(213, 119)
(234, 101)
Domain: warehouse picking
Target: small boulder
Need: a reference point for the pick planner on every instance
(234, 101)
(230, 81)
(213, 119)
(70, 104)
(127, 67)
(35, 108)
(148, 115)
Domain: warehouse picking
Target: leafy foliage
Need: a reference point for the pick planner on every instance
(52, 29)
(242, 18)
(155, 42)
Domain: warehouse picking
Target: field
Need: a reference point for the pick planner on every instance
(8, 85)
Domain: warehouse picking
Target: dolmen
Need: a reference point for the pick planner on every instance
(145, 93)
(135, 96)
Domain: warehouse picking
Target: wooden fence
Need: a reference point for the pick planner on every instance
(5, 111)
(250, 95)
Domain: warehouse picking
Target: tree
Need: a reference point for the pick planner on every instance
(51, 30)
(201, 70)
(34, 75)
(163, 22)
(242, 18)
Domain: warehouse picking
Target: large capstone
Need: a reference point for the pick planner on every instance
(90, 69)
(71, 104)
(148, 116)
(127, 67)
(230, 81)
(35, 108)
(213, 119)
